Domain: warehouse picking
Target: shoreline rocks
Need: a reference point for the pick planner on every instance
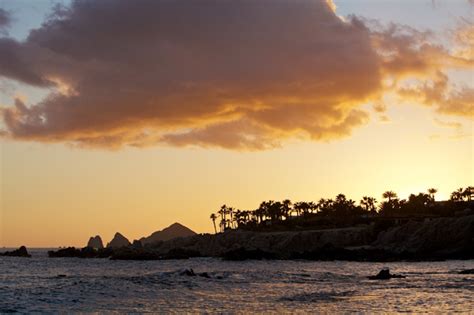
(20, 252)
(434, 240)
(86, 252)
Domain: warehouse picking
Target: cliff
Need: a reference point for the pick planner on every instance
(436, 236)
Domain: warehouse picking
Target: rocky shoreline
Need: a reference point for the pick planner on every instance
(434, 239)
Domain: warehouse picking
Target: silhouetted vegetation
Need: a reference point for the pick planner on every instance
(341, 211)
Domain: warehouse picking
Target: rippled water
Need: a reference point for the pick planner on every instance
(70, 284)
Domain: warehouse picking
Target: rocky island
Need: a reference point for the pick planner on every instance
(20, 252)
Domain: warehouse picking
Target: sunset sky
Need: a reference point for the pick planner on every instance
(132, 115)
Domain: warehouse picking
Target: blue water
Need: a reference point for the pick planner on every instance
(68, 284)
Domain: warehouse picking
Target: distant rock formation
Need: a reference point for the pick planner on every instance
(118, 241)
(173, 231)
(95, 242)
(20, 252)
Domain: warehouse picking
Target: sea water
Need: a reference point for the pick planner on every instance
(42, 284)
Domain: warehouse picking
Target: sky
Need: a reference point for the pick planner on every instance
(132, 115)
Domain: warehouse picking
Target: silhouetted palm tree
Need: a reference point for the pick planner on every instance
(368, 203)
(286, 208)
(468, 193)
(213, 218)
(389, 195)
(230, 211)
(298, 207)
(457, 195)
(312, 207)
(432, 192)
(223, 212)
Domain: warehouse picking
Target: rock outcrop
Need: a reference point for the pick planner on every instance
(95, 242)
(118, 241)
(453, 237)
(20, 252)
(173, 231)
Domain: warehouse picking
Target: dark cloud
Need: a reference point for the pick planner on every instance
(237, 74)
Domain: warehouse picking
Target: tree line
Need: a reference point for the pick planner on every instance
(286, 212)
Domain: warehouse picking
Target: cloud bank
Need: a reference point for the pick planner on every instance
(238, 74)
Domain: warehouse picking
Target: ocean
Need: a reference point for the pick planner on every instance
(42, 284)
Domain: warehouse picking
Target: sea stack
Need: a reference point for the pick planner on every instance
(118, 241)
(95, 242)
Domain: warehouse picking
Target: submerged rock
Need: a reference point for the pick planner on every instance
(118, 241)
(204, 275)
(95, 242)
(20, 252)
(384, 274)
(187, 272)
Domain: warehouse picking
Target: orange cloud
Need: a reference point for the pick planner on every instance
(234, 74)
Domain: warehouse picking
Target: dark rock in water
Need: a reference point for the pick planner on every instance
(20, 252)
(181, 253)
(132, 253)
(384, 274)
(244, 254)
(86, 252)
(65, 252)
(95, 242)
(118, 241)
(61, 276)
(204, 275)
(187, 272)
(466, 272)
